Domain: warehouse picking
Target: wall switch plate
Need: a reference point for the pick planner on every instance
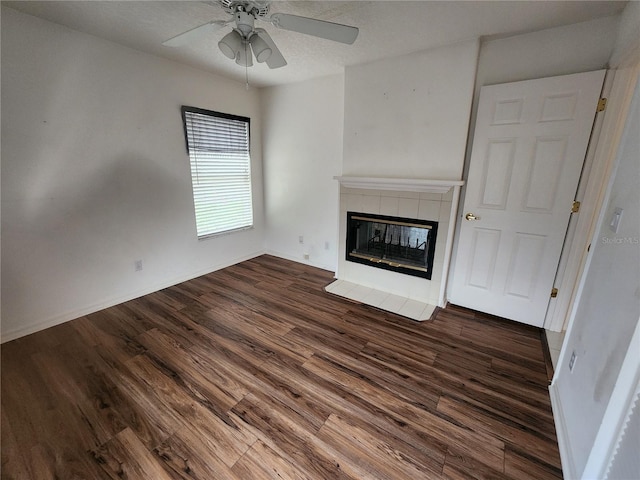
(615, 220)
(138, 265)
(572, 361)
(300, 239)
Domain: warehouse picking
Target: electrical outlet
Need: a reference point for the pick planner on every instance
(138, 265)
(300, 239)
(306, 256)
(572, 361)
(326, 245)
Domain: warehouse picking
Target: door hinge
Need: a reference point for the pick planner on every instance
(554, 292)
(602, 104)
(575, 207)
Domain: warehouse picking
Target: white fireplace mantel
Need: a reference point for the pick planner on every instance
(399, 184)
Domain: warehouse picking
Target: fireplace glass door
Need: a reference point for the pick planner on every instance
(400, 244)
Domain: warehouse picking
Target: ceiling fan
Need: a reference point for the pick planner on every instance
(244, 38)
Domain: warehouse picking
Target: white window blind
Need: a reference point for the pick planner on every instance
(218, 146)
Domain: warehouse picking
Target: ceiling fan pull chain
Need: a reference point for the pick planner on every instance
(246, 67)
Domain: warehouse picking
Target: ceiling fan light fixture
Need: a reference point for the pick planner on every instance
(245, 41)
(261, 50)
(243, 55)
(230, 44)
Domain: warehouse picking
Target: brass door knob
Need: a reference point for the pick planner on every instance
(471, 216)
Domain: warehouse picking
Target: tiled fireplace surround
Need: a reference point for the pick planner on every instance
(406, 295)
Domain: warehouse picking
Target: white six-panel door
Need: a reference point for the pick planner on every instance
(528, 150)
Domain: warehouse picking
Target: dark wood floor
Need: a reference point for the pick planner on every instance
(254, 372)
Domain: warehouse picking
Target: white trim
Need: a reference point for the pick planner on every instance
(580, 228)
(73, 314)
(568, 466)
(286, 256)
(448, 248)
(399, 184)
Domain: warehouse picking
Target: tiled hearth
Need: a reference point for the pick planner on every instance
(397, 304)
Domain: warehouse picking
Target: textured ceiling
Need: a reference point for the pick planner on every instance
(387, 28)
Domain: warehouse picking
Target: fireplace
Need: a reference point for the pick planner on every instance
(403, 245)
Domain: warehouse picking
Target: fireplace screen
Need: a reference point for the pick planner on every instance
(403, 245)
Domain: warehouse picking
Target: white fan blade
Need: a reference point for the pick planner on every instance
(275, 60)
(317, 28)
(191, 35)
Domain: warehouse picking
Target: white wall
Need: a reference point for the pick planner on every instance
(627, 46)
(576, 48)
(302, 148)
(609, 306)
(407, 116)
(95, 173)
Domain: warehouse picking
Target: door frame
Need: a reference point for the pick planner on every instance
(590, 194)
(608, 128)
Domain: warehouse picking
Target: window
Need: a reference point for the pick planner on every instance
(218, 147)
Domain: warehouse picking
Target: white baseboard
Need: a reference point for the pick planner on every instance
(568, 465)
(322, 266)
(110, 302)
